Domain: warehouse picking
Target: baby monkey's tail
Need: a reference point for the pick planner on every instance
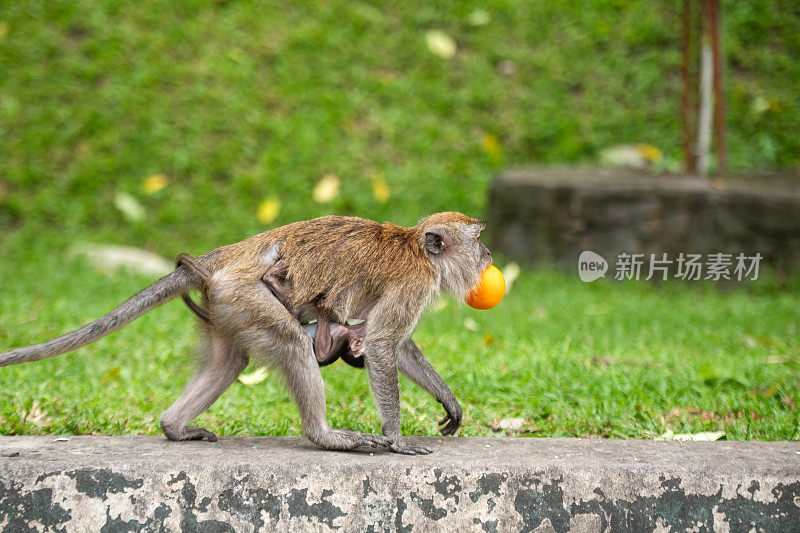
(177, 282)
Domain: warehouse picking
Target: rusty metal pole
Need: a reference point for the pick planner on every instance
(719, 97)
(686, 91)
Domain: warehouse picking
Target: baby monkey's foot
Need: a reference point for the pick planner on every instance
(357, 346)
(323, 308)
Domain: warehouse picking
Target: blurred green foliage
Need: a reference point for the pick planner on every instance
(238, 101)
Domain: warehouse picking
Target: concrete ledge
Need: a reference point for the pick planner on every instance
(494, 484)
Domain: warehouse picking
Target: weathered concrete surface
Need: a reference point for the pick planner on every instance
(553, 214)
(493, 484)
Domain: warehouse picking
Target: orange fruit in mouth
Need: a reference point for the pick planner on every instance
(490, 289)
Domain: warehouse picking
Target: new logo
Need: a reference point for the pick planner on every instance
(591, 266)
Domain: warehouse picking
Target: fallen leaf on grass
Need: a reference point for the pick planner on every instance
(109, 259)
(777, 359)
(511, 272)
(35, 415)
(327, 189)
(380, 189)
(440, 44)
(762, 105)
(703, 436)
(479, 17)
(506, 67)
(627, 155)
(268, 210)
(129, 206)
(649, 152)
(256, 377)
(153, 184)
(111, 374)
(509, 424)
(754, 342)
(491, 145)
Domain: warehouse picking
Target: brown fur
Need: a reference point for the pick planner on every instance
(349, 260)
(362, 259)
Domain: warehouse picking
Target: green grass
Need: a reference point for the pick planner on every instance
(604, 359)
(237, 101)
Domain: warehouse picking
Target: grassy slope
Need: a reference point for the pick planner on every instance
(238, 101)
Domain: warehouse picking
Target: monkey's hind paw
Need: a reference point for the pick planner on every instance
(367, 439)
(405, 449)
(195, 433)
(354, 439)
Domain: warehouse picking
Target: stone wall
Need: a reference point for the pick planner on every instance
(553, 214)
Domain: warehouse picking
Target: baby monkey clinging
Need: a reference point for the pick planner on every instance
(331, 340)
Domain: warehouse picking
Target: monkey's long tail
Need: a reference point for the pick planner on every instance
(163, 290)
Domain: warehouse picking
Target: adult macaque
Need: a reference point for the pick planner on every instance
(381, 273)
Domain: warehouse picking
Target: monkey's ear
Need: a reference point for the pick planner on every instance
(434, 242)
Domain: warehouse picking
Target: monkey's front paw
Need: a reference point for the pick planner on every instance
(450, 423)
(406, 449)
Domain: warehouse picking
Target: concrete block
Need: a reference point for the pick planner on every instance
(139, 483)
